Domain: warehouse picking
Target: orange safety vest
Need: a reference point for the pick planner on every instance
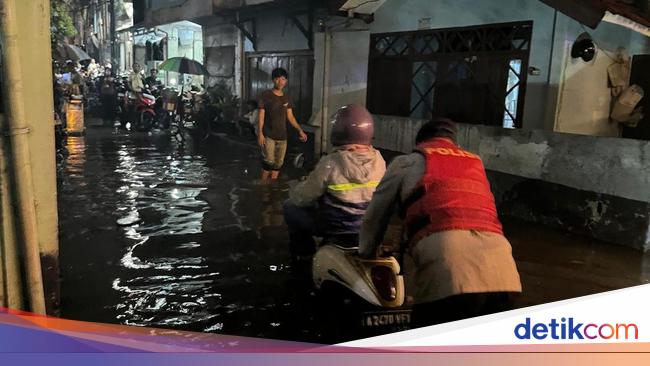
(453, 193)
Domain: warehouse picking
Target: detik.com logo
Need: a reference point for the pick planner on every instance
(569, 328)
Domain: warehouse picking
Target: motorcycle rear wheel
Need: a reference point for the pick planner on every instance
(146, 122)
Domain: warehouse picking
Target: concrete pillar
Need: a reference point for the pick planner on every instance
(33, 38)
(11, 294)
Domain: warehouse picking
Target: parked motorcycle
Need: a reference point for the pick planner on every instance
(92, 98)
(122, 99)
(143, 111)
(188, 116)
(146, 117)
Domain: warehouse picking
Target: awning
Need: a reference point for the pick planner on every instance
(592, 12)
(361, 6)
(151, 37)
(627, 23)
(75, 53)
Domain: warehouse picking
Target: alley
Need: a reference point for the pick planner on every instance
(154, 234)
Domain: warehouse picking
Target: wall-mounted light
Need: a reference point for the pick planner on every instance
(584, 48)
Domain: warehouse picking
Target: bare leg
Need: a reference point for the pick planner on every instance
(265, 175)
(279, 153)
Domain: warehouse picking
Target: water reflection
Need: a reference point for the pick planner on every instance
(160, 198)
(76, 159)
(151, 235)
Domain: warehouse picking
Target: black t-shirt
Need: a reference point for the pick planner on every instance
(151, 81)
(107, 85)
(275, 117)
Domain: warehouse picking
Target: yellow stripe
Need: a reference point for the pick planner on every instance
(351, 186)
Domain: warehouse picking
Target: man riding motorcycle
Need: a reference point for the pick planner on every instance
(332, 200)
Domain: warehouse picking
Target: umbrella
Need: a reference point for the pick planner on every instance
(183, 65)
(75, 53)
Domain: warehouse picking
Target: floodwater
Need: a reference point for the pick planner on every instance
(159, 235)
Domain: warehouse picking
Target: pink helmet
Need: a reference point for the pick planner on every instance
(353, 124)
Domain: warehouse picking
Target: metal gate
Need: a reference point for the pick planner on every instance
(299, 65)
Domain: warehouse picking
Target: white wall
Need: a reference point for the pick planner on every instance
(403, 15)
(346, 79)
(194, 51)
(220, 35)
(276, 32)
(568, 96)
(584, 99)
(565, 159)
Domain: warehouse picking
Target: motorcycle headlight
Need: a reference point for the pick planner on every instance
(385, 282)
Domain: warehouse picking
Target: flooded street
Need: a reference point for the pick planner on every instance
(156, 235)
(153, 234)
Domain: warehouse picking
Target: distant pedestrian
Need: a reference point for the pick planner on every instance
(108, 97)
(275, 109)
(72, 80)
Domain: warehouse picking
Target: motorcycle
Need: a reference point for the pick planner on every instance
(377, 282)
(176, 113)
(123, 102)
(92, 101)
(146, 116)
(143, 109)
(372, 290)
(190, 117)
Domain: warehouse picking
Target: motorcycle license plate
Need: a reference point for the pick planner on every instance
(389, 318)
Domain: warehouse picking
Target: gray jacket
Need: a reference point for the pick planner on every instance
(342, 185)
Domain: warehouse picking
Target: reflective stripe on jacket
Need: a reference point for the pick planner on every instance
(342, 184)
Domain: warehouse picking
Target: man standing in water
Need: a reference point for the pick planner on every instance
(275, 110)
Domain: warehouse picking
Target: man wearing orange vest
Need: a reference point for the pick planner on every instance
(464, 264)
